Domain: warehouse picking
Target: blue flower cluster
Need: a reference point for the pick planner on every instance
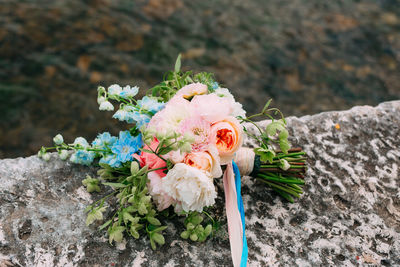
(113, 151)
(140, 114)
(104, 141)
(82, 156)
(123, 149)
(126, 92)
(150, 104)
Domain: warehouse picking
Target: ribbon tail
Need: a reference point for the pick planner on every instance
(235, 226)
(238, 183)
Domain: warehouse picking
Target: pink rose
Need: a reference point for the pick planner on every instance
(151, 160)
(211, 107)
(228, 137)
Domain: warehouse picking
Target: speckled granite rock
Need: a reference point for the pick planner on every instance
(348, 216)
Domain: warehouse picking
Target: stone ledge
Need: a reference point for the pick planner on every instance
(349, 214)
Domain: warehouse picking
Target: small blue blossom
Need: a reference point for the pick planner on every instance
(128, 91)
(83, 157)
(81, 141)
(111, 160)
(214, 86)
(114, 89)
(132, 114)
(150, 104)
(140, 119)
(126, 146)
(121, 115)
(104, 140)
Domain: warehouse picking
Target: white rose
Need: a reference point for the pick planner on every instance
(190, 187)
(161, 199)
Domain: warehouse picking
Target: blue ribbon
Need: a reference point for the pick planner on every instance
(245, 252)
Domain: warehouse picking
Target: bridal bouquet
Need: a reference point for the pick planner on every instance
(185, 133)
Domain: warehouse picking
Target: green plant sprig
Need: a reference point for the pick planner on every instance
(194, 229)
(135, 210)
(283, 170)
(175, 80)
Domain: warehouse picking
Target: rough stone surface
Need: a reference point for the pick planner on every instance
(308, 55)
(348, 216)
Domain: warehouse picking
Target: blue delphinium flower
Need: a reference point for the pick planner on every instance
(114, 90)
(104, 141)
(139, 118)
(111, 159)
(81, 142)
(128, 91)
(150, 104)
(132, 114)
(126, 146)
(83, 157)
(121, 115)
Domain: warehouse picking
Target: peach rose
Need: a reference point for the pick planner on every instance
(151, 160)
(205, 160)
(227, 136)
(191, 90)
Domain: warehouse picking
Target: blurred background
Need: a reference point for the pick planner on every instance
(308, 55)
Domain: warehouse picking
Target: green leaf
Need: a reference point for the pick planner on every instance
(142, 209)
(153, 245)
(128, 217)
(197, 219)
(116, 234)
(178, 63)
(107, 223)
(159, 229)
(90, 219)
(185, 234)
(194, 237)
(159, 238)
(266, 106)
(153, 221)
(134, 232)
(284, 145)
(208, 230)
(116, 185)
(275, 126)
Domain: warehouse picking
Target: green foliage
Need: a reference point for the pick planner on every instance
(135, 210)
(274, 134)
(91, 184)
(265, 154)
(194, 229)
(175, 80)
(280, 170)
(169, 141)
(95, 214)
